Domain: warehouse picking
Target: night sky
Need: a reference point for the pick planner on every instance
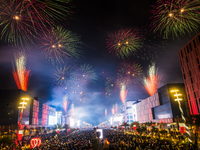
(93, 20)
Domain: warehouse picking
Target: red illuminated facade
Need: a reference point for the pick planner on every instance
(189, 57)
(44, 114)
(35, 112)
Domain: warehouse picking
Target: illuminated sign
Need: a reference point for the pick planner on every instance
(101, 133)
(71, 122)
(35, 142)
(78, 123)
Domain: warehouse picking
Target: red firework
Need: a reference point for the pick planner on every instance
(20, 73)
(152, 81)
(123, 93)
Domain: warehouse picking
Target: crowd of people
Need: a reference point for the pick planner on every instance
(88, 140)
(122, 141)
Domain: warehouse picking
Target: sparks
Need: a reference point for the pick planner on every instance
(20, 73)
(152, 81)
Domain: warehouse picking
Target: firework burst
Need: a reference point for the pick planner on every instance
(62, 75)
(129, 73)
(60, 44)
(109, 86)
(20, 73)
(175, 17)
(124, 42)
(22, 20)
(153, 45)
(152, 81)
(85, 74)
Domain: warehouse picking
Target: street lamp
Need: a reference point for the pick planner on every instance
(22, 105)
(178, 99)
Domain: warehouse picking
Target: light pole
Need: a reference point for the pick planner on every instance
(21, 106)
(178, 99)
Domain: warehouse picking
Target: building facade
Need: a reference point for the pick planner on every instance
(189, 57)
(128, 111)
(9, 103)
(162, 107)
(35, 114)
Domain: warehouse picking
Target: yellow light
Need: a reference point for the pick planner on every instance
(59, 45)
(111, 84)
(119, 44)
(16, 17)
(133, 74)
(129, 72)
(178, 99)
(177, 94)
(126, 42)
(53, 46)
(63, 78)
(182, 10)
(83, 75)
(25, 98)
(174, 91)
(23, 103)
(21, 107)
(170, 15)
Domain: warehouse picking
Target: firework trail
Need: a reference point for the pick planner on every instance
(123, 93)
(20, 73)
(105, 112)
(129, 74)
(72, 110)
(175, 17)
(152, 81)
(59, 45)
(23, 20)
(65, 103)
(123, 43)
(113, 110)
(116, 108)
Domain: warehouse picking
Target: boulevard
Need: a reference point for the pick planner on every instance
(113, 139)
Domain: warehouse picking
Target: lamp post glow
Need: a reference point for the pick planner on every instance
(178, 99)
(22, 106)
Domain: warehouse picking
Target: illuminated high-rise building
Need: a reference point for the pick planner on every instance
(189, 57)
